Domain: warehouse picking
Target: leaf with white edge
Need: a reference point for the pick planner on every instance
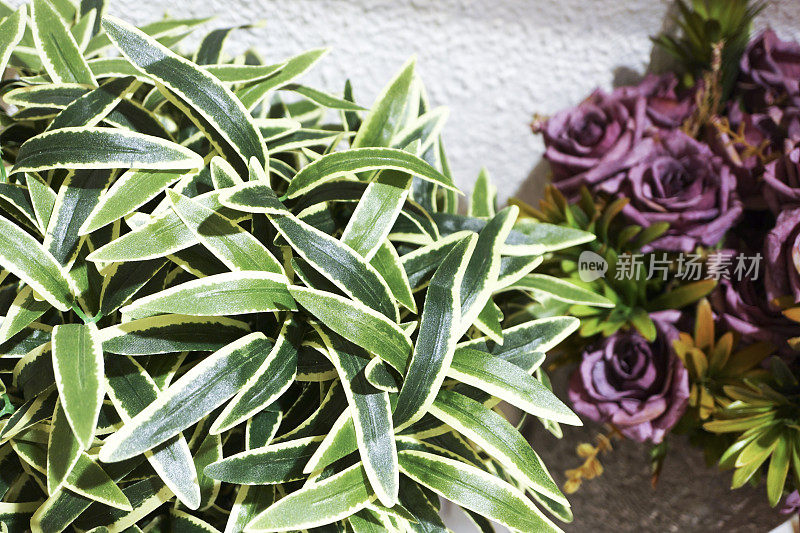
(236, 248)
(550, 236)
(376, 212)
(380, 377)
(267, 465)
(337, 164)
(270, 381)
(43, 199)
(385, 117)
(438, 334)
(202, 91)
(24, 309)
(561, 290)
(390, 267)
(12, 27)
(357, 323)
(96, 148)
(317, 504)
(23, 256)
(94, 106)
(161, 235)
(63, 451)
(194, 395)
(232, 293)
(483, 269)
(76, 198)
(540, 335)
(130, 191)
(253, 197)
(122, 281)
(372, 418)
(78, 368)
(186, 523)
(223, 175)
(131, 389)
(484, 195)
(171, 333)
(476, 490)
(322, 98)
(251, 95)
(338, 443)
(498, 438)
(340, 264)
(86, 479)
(57, 48)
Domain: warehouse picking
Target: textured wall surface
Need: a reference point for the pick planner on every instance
(493, 62)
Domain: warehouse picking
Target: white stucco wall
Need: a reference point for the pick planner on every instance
(493, 62)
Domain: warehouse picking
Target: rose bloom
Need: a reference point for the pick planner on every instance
(665, 106)
(641, 388)
(782, 258)
(782, 179)
(743, 307)
(683, 183)
(770, 72)
(587, 143)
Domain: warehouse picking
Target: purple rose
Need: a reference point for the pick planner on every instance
(642, 388)
(665, 106)
(770, 72)
(742, 306)
(587, 143)
(683, 183)
(782, 179)
(791, 504)
(782, 257)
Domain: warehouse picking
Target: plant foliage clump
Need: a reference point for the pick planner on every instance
(233, 302)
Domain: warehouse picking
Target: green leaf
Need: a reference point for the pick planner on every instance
(12, 27)
(162, 235)
(372, 418)
(438, 334)
(97, 148)
(357, 323)
(194, 86)
(61, 57)
(510, 383)
(683, 295)
(171, 333)
(63, 451)
(561, 290)
(78, 368)
(94, 106)
(340, 264)
(232, 293)
(267, 465)
(131, 389)
(236, 248)
(475, 490)
(390, 267)
(337, 164)
(483, 269)
(24, 257)
(251, 95)
(317, 504)
(484, 195)
(130, 191)
(498, 438)
(24, 309)
(270, 381)
(376, 213)
(198, 392)
(384, 119)
(76, 198)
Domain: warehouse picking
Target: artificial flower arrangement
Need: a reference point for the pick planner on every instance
(232, 302)
(691, 182)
